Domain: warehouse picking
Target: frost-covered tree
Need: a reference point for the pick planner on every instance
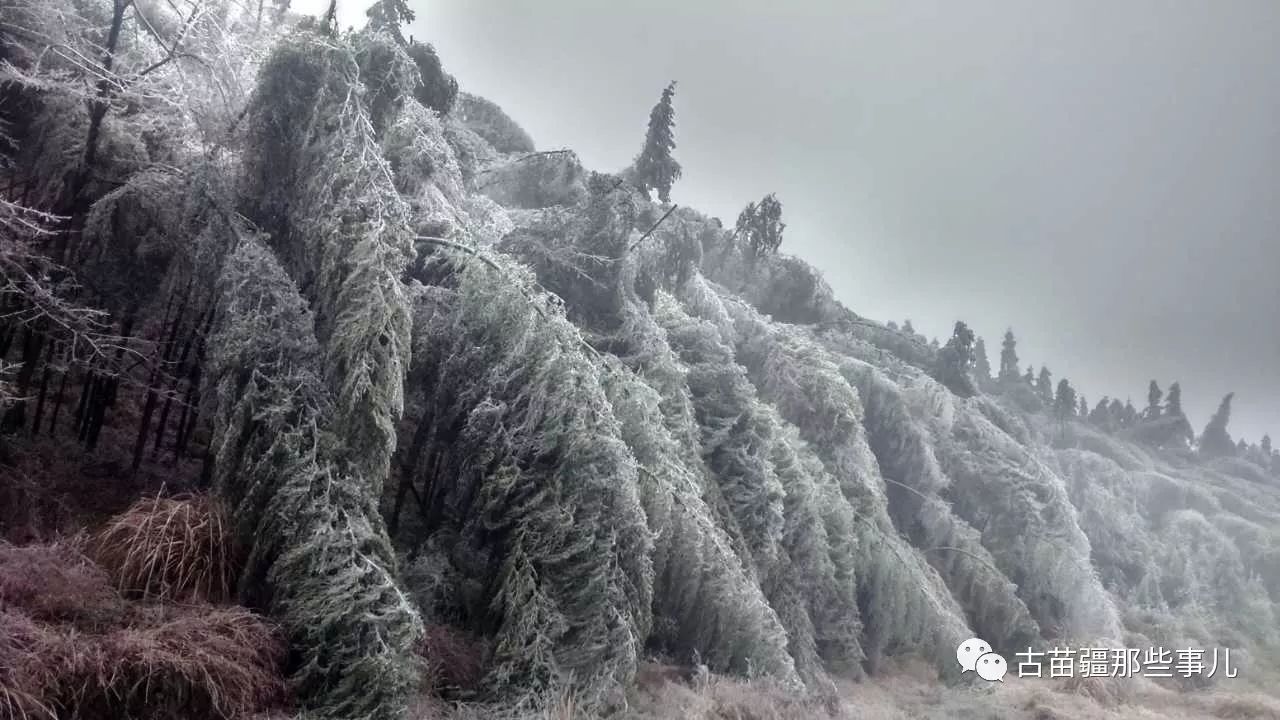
(436, 88)
(1064, 401)
(1266, 446)
(529, 485)
(316, 178)
(907, 327)
(1100, 416)
(388, 15)
(1173, 401)
(1008, 358)
(981, 364)
(760, 226)
(1083, 411)
(1044, 385)
(319, 559)
(1030, 376)
(1154, 394)
(655, 168)
(952, 366)
(1129, 414)
(1215, 441)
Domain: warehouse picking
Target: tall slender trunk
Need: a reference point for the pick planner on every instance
(57, 401)
(197, 332)
(98, 106)
(45, 372)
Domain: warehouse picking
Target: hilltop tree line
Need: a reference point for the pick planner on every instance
(963, 366)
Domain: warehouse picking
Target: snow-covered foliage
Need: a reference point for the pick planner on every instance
(317, 179)
(319, 558)
(600, 428)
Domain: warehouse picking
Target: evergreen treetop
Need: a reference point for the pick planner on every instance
(1009, 357)
(954, 360)
(981, 365)
(1173, 401)
(656, 169)
(1044, 385)
(1153, 401)
(1215, 441)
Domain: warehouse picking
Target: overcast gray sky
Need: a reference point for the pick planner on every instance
(1101, 175)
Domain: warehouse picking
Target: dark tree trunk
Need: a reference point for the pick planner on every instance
(32, 344)
(57, 402)
(98, 107)
(45, 372)
(197, 332)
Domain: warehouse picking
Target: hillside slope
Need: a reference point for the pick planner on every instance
(447, 382)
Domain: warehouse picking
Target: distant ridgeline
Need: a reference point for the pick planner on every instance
(443, 379)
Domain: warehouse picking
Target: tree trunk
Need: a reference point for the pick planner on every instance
(98, 107)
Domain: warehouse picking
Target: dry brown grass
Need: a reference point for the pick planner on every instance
(71, 647)
(194, 662)
(176, 548)
(57, 583)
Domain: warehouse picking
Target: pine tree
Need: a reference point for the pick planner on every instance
(319, 559)
(981, 365)
(1009, 358)
(1153, 401)
(907, 327)
(1115, 413)
(1266, 446)
(1030, 376)
(1084, 408)
(1215, 441)
(952, 368)
(1173, 401)
(1044, 385)
(1064, 402)
(655, 168)
(760, 226)
(1130, 416)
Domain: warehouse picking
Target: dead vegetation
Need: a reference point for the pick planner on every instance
(72, 646)
(176, 548)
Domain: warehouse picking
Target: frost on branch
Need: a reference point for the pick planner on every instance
(319, 559)
(904, 603)
(531, 488)
(316, 179)
(707, 603)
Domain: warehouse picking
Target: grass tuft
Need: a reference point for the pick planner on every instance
(176, 548)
